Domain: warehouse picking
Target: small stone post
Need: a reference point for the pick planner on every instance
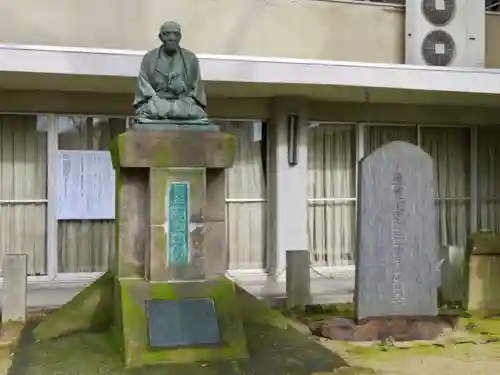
(482, 271)
(298, 279)
(452, 279)
(15, 269)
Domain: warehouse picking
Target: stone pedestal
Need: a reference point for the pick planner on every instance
(172, 307)
(171, 173)
(171, 246)
(482, 271)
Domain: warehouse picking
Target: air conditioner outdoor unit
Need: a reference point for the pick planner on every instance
(445, 33)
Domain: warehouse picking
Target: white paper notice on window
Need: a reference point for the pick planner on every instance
(85, 185)
(257, 131)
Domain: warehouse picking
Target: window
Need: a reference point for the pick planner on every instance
(89, 245)
(488, 178)
(332, 192)
(23, 189)
(493, 5)
(401, 2)
(450, 150)
(332, 181)
(378, 135)
(246, 197)
(86, 245)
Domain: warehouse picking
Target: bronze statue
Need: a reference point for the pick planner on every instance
(169, 87)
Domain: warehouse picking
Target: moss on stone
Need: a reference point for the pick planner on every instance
(161, 157)
(484, 243)
(314, 313)
(115, 151)
(91, 309)
(274, 346)
(135, 337)
(133, 323)
(338, 309)
(485, 323)
(229, 142)
(117, 328)
(354, 370)
(129, 269)
(10, 334)
(230, 318)
(477, 329)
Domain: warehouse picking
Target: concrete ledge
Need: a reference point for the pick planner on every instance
(243, 69)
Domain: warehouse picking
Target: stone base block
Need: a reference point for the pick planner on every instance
(133, 330)
(249, 328)
(484, 279)
(154, 149)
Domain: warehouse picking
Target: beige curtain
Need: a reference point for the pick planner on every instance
(377, 136)
(86, 245)
(332, 189)
(23, 189)
(450, 150)
(246, 214)
(488, 179)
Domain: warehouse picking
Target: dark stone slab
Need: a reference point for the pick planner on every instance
(179, 323)
(397, 254)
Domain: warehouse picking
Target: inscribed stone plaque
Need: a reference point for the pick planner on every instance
(177, 323)
(397, 247)
(178, 223)
(177, 198)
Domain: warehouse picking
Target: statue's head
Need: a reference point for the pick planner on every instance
(170, 35)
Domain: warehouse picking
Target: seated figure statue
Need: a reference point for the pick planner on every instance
(169, 88)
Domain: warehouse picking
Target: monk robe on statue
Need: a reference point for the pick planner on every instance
(169, 87)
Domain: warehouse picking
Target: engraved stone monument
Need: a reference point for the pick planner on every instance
(397, 250)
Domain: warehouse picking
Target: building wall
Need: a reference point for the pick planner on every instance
(275, 28)
(251, 108)
(58, 290)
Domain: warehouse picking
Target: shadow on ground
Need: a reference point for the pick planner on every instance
(273, 350)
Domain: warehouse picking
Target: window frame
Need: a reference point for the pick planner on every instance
(46, 201)
(361, 133)
(311, 201)
(58, 275)
(232, 201)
